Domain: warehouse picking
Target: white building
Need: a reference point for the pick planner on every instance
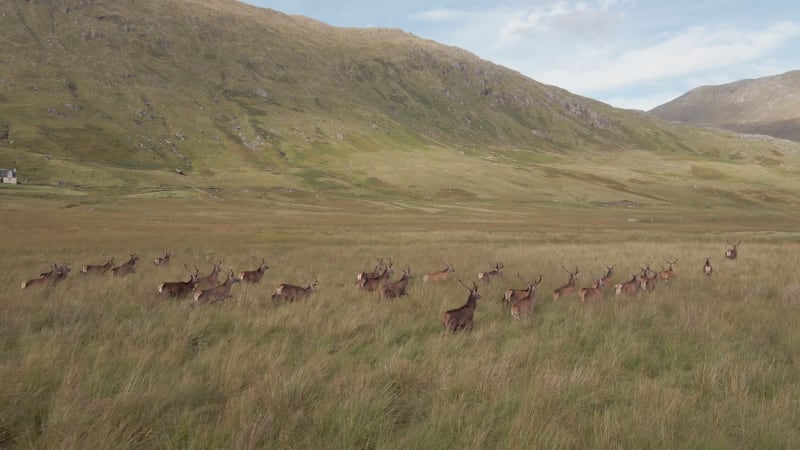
(8, 176)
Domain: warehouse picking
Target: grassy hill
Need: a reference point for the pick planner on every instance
(321, 149)
(765, 105)
(111, 97)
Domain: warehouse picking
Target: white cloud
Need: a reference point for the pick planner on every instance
(441, 15)
(696, 50)
(618, 51)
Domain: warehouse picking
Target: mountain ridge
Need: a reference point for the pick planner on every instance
(765, 105)
(110, 96)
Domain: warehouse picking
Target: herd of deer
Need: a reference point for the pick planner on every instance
(208, 289)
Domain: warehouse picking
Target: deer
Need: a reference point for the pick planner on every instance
(593, 292)
(212, 279)
(569, 287)
(215, 294)
(512, 295)
(372, 284)
(648, 282)
(707, 269)
(376, 271)
(487, 277)
(629, 287)
(162, 260)
(669, 273)
(180, 288)
(292, 293)
(254, 276)
(523, 301)
(439, 275)
(56, 274)
(127, 268)
(398, 288)
(462, 318)
(608, 276)
(731, 252)
(98, 268)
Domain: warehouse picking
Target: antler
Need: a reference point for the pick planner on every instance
(538, 281)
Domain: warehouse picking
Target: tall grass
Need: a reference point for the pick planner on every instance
(99, 362)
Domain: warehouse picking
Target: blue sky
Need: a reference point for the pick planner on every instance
(628, 53)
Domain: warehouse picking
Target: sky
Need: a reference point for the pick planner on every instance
(628, 53)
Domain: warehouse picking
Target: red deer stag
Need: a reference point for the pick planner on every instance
(568, 288)
(608, 276)
(440, 275)
(647, 282)
(162, 260)
(376, 271)
(593, 292)
(731, 252)
(127, 268)
(707, 269)
(216, 294)
(292, 293)
(487, 277)
(56, 274)
(180, 288)
(512, 295)
(398, 288)
(629, 287)
(254, 276)
(98, 268)
(462, 318)
(668, 274)
(523, 301)
(212, 279)
(372, 284)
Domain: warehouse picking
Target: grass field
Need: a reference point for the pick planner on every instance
(98, 362)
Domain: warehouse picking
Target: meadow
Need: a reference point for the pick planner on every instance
(100, 362)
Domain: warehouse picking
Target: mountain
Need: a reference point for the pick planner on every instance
(116, 96)
(765, 105)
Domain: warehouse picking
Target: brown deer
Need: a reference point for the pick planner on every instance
(497, 272)
(646, 281)
(127, 268)
(292, 293)
(593, 292)
(731, 252)
(162, 260)
(372, 284)
(512, 295)
(668, 274)
(707, 269)
(376, 271)
(398, 288)
(212, 279)
(568, 288)
(608, 276)
(180, 288)
(56, 274)
(216, 294)
(254, 276)
(629, 287)
(98, 268)
(462, 318)
(440, 275)
(523, 302)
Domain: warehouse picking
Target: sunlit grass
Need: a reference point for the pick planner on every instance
(102, 362)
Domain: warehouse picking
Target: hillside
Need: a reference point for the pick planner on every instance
(765, 105)
(112, 97)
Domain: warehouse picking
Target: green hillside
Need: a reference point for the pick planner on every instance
(111, 97)
(766, 105)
